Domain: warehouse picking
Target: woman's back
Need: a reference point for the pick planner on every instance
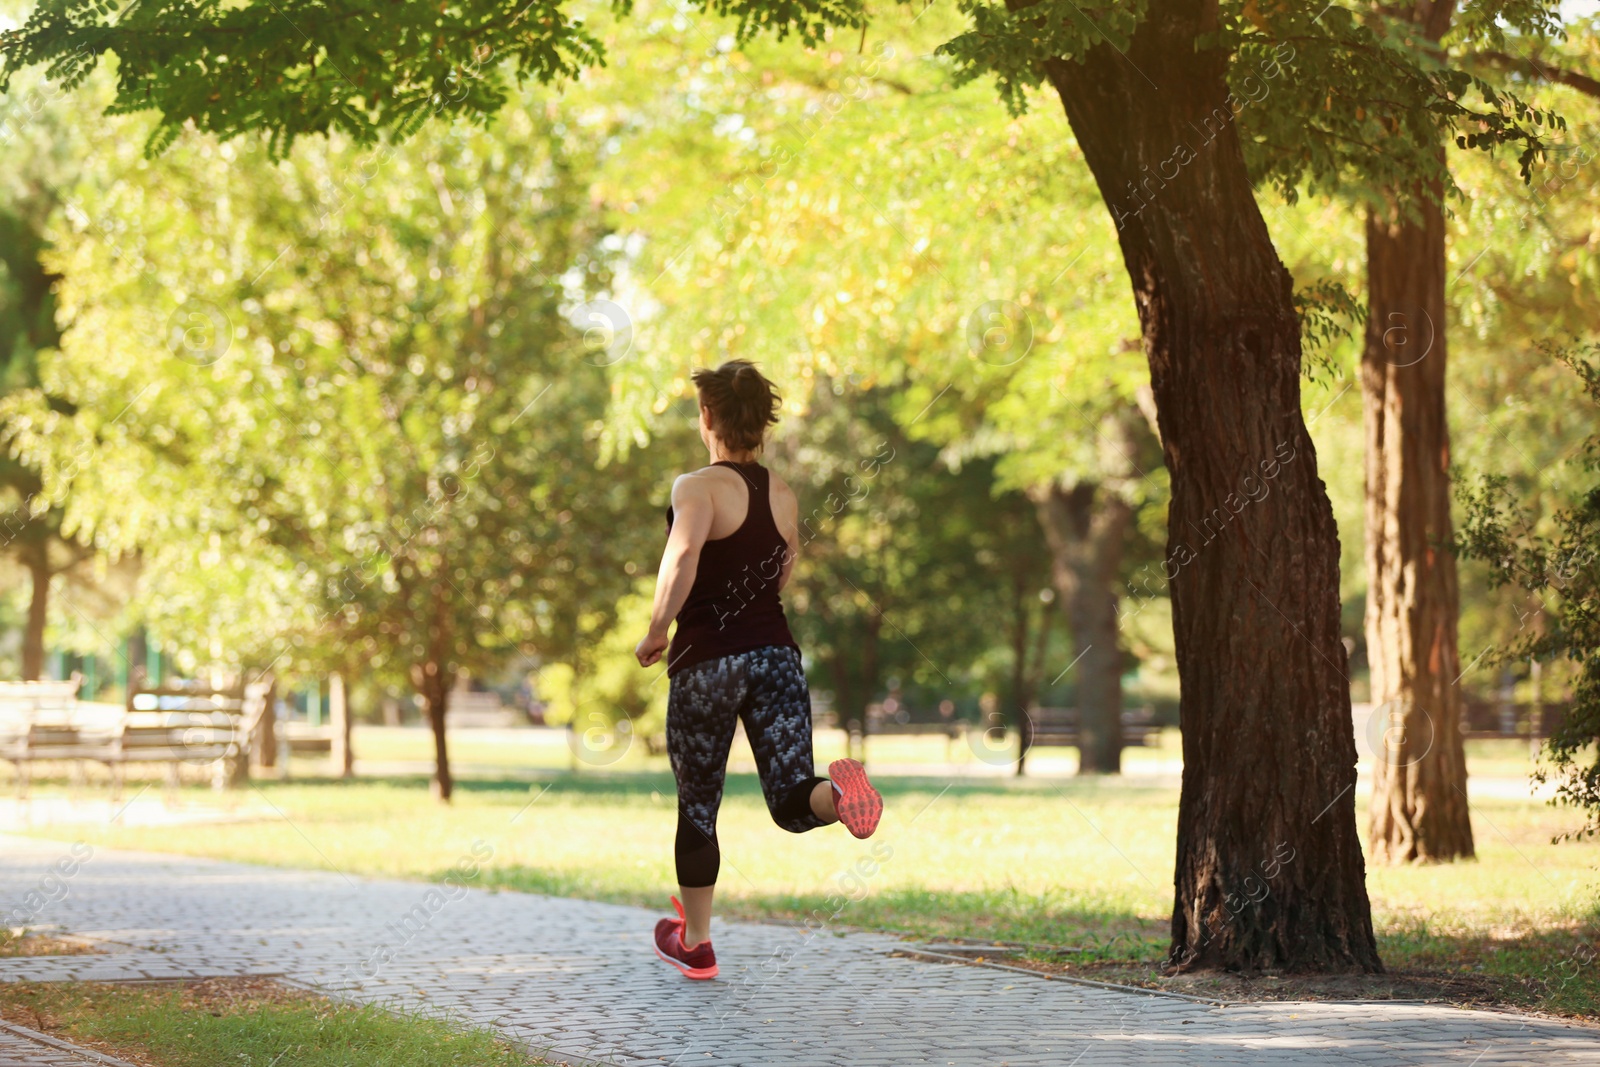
(730, 497)
(733, 605)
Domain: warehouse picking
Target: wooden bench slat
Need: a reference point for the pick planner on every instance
(1061, 726)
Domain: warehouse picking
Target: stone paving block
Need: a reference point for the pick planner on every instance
(579, 977)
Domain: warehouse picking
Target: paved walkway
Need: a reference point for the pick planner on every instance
(22, 1047)
(577, 979)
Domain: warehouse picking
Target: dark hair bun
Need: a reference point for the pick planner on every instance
(741, 401)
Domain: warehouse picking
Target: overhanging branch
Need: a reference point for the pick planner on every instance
(1538, 69)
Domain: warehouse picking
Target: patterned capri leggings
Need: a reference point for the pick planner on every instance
(767, 689)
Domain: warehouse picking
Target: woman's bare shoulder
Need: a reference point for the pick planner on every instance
(693, 485)
(703, 476)
(781, 494)
(777, 482)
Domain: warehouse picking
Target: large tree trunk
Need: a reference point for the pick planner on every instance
(36, 557)
(1419, 780)
(1086, 527)
(1269, 866)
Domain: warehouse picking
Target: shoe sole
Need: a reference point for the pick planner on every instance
(859, 805)
(699, 974)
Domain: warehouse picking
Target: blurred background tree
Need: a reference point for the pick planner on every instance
(39, 142)
(367, 448)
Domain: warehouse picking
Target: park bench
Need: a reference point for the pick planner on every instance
(952, 730)
(1061, 726)
(471, 709)
(1484, 720)
(39, 722)
(194, 723)
(877, 728)
(304, 738)
(1050, 726)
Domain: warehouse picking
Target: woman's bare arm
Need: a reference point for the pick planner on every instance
(691, 524)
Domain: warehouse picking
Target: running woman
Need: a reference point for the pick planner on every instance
(732, 536)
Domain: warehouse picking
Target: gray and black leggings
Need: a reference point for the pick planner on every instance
(767, 689)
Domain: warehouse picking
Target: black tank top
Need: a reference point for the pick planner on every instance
(733, 605)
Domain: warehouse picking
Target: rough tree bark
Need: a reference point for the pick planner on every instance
(1419, 783)
(1269, 866)
(1086, 527)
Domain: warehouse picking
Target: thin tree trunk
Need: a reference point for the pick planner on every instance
(1021, 623)
(36, 558)
(1269, 868)
(1024, 743)
(1419, 782)
(432, 681)
(267, 735)
(138, 653)
(341, 756)
(1032, 679)
(1021, 694)
(844, 705)
(238, 769)
(437, 698)
(869, 677)
(850, 697)
(1086, 528)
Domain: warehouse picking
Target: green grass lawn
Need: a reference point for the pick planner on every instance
(1080, 863)
(520, 751)
(246, 1023)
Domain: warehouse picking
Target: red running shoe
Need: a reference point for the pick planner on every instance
(859, 805)
(698, 962)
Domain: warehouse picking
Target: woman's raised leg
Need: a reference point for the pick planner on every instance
(777, 720)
